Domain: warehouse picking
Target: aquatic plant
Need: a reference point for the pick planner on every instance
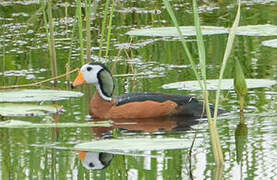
(103, 27)
(80, 29)
(240, 87)
(88, 33)
(51, 42)
(201, 77)
(26, 124)
(109, 29)
(3, 62)
(68, 64)
(49, 30)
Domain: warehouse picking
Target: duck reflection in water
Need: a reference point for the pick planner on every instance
(101, 160)
(95, 160)
(148, 125)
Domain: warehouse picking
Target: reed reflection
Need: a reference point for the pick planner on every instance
(241, 134)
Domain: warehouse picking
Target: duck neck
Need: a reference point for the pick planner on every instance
(102, 95)
(99, 108)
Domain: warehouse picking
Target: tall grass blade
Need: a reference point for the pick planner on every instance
(43, 5)
(88, 34)
(215, 141)
(202, 56)
(110, 29)
(72, 38)
(227, 53)
(3, 60)
(218, 155)
(200, 42)
(51, 41)
(80, 27)
(213, 131)
(103, 27)
(66, 17)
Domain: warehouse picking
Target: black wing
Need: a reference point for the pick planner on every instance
(188, 104)
(158, 97)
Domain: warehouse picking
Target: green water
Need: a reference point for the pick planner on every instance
(24, 59)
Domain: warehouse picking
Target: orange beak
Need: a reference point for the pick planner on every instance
(79, 80)
(82, 155)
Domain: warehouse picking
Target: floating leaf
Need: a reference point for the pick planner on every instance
(257, 30)
(227, 84)
(119, 146)
(270, 43)
(26, 124)
(172, 32)
(250, 30)
(11, 109)
(36, 95)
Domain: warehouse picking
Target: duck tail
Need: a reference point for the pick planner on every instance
(196, 108)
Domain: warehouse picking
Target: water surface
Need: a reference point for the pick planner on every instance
(162, 60)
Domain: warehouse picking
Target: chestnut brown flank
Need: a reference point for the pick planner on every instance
(100, 108)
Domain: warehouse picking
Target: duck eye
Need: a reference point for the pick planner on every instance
(91, 165)
(89, 68)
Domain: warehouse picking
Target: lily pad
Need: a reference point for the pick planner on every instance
(212, 84)
(11, 109)
(36, 95)
(172, 32)
(270, 43)
(257, 30)
(26, 124)
(121, 146)
(250, 30)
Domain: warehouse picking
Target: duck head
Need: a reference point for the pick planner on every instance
(96, 74)
(95, 160)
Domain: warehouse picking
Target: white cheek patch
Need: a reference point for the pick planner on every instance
(92, 161)
(91, 76)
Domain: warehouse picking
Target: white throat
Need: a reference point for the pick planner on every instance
(101, 93)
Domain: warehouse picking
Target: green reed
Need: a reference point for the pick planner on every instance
(3, 59)
(49, 29)
(80, 28)
(88, 33)
(68, 64)
(88, 11)
(110, 29)
(227, 53)
(103, 27)
(66, 16)
(215, 141)
(201, 77)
